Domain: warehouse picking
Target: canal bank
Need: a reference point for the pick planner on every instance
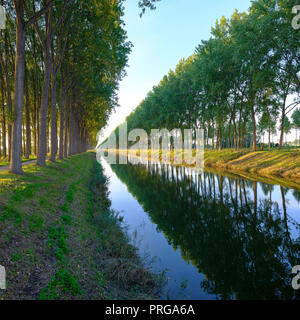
(279, 167)
(275, 167)
(60, 240)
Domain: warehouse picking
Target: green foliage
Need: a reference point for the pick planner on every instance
(242, 74)
(62, 283)
(35, 222)
(16, 257)
(57, 241)
(89, 53)
(67, 219)
(287, 125)
(296, 119)
(8, 212)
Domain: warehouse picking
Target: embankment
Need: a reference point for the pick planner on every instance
(61, 240)
(281, 167)
(275, 167)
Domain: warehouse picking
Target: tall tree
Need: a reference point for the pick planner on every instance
(21, 26)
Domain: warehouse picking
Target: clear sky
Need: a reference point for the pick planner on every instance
(161, 38)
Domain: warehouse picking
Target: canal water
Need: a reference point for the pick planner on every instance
(213, 236)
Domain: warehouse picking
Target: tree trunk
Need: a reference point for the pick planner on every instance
(42, 149)
(239, 134)
(71, 129)
(16, 146)
(220, 137)
(3, 119)
(8, 91)
(269, 137)
(234, 135)
(253, 129)
(229, 136)
(66, 124)
(28, 129)
(244, 135)
(23, 140)
(35, 117)
(207, 138)
(282, 128)
(213, 136)
(62, 119)
(53, 120)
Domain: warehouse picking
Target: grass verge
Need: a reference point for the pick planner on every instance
(60, 239)
(278, 167)
(4, 161)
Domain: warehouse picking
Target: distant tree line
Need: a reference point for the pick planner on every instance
(237, 86)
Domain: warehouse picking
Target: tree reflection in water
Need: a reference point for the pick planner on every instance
(239, 239)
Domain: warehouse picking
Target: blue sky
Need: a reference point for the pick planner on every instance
(161, 38)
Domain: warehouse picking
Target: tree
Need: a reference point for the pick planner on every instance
(47, 43)
(268, 122)
(21, 26)
(296, 121)
(86, 80)
(287, 126)
(143, 4)
(234, 79)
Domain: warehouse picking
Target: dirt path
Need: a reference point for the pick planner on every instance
(26, 163)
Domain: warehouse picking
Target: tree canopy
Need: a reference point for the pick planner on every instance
(236, 83)
(61, 64)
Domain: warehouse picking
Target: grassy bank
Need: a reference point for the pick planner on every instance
(5, 162)
(60, 239)
(282, 167)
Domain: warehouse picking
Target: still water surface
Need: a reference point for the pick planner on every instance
(216, 236)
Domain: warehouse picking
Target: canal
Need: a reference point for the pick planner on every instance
(214, 236)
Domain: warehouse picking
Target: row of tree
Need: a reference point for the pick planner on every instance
(238, 85)
(60, 65)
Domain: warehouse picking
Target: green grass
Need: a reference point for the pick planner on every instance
(5, 162)
(62, 283)
(56, 226)
(282, 167)
(215, 157)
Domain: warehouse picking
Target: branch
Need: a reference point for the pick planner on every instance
(60, 18)
(36, 15)
(40, 36)
(294, 104)
(57, 65)
(35, 25)
(62, 53)
(143, 4)
(62, 46)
